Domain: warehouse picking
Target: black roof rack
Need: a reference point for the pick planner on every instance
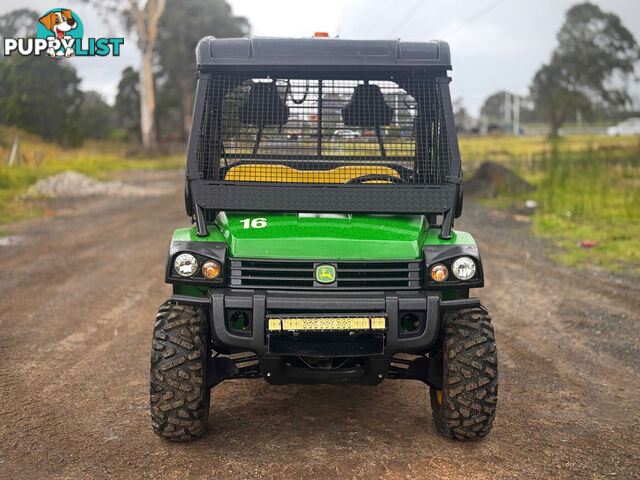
(305, 52)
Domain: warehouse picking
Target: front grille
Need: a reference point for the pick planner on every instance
(300, 274)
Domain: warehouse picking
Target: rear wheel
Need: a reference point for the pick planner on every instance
(179, 395)
(465, 407)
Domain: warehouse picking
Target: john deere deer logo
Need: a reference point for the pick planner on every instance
(325, 274)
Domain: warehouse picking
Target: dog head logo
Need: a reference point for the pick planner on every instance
(62, 25)
(59, 22)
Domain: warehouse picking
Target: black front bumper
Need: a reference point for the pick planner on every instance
(258, 304)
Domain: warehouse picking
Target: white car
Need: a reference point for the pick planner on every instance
(631, 126)
(344, 133)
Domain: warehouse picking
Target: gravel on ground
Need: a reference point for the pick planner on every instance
(70, 184)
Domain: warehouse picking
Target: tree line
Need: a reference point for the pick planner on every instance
(154, 101)
(587, 76)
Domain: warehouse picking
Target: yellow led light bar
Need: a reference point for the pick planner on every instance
(274, 324)
(326, 323)
(378, 323)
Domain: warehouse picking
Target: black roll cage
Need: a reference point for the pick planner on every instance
(303, 58)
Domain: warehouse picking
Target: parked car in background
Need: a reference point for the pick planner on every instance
(345, 133)
(631, 126)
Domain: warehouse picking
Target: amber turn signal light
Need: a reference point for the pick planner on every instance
(211, 269)
(439, 273)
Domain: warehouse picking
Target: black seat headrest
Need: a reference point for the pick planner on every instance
(367, 108)
(263, 106)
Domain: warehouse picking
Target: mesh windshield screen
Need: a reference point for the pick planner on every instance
(323, 131)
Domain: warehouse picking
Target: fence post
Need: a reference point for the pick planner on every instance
(14, 152)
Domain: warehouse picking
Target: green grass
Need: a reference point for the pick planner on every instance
(589, 195)
(593, 196)
(39, 159)
(500, 148)
(617, 242)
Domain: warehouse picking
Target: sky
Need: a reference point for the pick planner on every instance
(495, 44)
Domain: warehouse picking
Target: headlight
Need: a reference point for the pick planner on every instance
(185, 264)
(211, 269)
(464, 268)
(439, 273)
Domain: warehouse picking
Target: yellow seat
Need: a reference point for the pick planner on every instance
(260, 172)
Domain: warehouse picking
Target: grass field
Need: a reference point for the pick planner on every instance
(38, 159)
(526, 150)
(587, 190)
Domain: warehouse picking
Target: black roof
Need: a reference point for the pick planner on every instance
(321, 51)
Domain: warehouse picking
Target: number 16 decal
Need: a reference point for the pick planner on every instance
(254, 223)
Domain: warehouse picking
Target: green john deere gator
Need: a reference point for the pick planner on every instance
(323, 178)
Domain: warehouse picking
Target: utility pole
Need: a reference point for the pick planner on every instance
(507, 110)
(516, 114)
(579, 120)
(484, 125)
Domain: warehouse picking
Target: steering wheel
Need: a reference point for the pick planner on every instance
(376, 177)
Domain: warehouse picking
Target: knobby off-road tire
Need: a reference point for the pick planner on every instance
(466, 406)
(179, 395)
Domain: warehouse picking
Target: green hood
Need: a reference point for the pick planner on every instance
(323, 236)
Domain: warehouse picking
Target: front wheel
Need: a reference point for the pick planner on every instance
(179, 394)
(466, 406)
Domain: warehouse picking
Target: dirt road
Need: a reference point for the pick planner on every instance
(78, 294)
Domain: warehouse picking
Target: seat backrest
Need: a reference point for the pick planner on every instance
(263, 106)
(367, 108)
(260, 172)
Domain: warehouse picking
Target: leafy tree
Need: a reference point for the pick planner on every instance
(146, 22)
(493, 107)
(142, 17)
(47, 108)
(461, 117)
(18, 23)
(180, 29)
(555, 96)
(96, 117)
(127, 105)
(169, 113)
(591, 66)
